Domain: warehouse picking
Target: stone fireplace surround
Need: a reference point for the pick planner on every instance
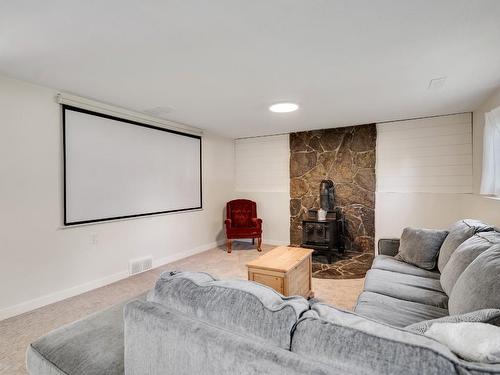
(347, 157)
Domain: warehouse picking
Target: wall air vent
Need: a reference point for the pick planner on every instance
(139, 265)
(436, 83)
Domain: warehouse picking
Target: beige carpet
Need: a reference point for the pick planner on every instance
(17, 332)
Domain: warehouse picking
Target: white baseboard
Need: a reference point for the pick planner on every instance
(185, 254)
(94, 284)
(276, 242)
(60, 295)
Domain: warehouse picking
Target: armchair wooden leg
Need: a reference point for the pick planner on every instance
(259, 244)
(229, 244)
(253, 241)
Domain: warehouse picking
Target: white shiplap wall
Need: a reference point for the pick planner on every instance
(425, 155)
(262, 164)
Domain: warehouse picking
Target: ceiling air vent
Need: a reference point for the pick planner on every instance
(436, 83)
(139, 265)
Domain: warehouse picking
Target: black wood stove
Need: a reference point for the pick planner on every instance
(324, 236)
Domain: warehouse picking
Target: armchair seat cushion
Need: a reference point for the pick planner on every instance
(394, 311)
(243, 232)
(389, 263)
(406, 287)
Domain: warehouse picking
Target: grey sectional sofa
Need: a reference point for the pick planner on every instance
(192, 323)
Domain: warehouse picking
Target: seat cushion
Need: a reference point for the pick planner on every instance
(241, 306)
(420, 247)
(388, 263)
(458, 233)
(464, 255)
(90, 346)
(244, 232)
(478, 287)
(411, 288)
(394, 311)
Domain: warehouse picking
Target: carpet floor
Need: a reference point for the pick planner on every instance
(17, 332)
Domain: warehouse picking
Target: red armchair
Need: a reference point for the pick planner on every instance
(242, 222)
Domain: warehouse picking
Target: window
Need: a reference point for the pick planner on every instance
(490, 183)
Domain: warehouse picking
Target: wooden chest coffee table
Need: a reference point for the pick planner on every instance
(287, 270)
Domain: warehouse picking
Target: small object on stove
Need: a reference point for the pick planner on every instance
(322, 214)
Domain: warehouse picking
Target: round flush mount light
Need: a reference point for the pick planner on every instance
(283, 107)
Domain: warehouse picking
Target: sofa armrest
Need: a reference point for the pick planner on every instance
(388, 246)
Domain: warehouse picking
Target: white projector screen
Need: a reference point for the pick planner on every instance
(116, 168)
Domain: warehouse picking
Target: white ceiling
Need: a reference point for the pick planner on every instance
(219, 64)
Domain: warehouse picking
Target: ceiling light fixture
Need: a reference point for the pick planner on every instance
(283, 107)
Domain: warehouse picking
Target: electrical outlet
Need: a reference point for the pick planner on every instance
(94, 239)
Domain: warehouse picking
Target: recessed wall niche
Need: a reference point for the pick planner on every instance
(347, 157)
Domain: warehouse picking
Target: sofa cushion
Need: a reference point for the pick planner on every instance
(478, 287)
(329, 336)
(420, 247)
(160, 341)
(406, 287)
(458, 233)
(389, 263)
(489, 316)
(241, 306)
(90, 346)
(394, 311)
(464, 255)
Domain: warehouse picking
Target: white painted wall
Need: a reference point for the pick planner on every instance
(262, 175)
(397, 210)
(431, 155)
(423, 166)
(40, 262)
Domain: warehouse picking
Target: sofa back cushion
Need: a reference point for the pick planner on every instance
(329, 335)
(241, 306)
(479, 285)
(420, 247)
(465, 253)
(160, 341)
(458, 233)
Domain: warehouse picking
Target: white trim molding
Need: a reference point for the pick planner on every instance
(92, 105)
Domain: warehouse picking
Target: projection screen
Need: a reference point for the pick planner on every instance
(115, 168)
